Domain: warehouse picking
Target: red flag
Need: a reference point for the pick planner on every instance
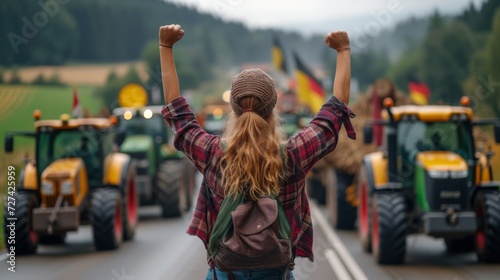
(419, 93)
(77, 109)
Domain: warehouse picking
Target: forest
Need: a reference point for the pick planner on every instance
(453, 55)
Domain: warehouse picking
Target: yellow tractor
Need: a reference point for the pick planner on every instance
(428, 178)
(76, 178)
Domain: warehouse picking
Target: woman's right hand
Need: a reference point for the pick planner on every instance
(170, 34)
(337, 40)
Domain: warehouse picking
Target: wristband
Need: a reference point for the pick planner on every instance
(344, 49)
(165, 46)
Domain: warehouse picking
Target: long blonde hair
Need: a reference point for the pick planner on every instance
(252, 161)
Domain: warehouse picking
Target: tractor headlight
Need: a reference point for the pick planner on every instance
(459, 174)
(438, 174)
(47, 188)
(148, 114)
(67, 187)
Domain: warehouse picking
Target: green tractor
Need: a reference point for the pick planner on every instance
(428, 179)
(164, 175)
(75, 179)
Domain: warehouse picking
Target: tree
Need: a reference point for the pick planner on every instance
(109, 92)
(369, 66)
(446, 54)
(406, 68)
(484, 82)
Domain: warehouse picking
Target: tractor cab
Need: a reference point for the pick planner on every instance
(86, 139)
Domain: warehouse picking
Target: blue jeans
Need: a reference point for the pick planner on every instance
(258, 274)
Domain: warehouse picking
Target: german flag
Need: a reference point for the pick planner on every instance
(419, 92)
(309, 89)
(279, 56)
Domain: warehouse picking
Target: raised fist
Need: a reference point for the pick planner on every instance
(170, 34)
(337, 40)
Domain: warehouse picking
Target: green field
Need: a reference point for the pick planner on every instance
(17, 104)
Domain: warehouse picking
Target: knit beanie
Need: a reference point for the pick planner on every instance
(256, 83)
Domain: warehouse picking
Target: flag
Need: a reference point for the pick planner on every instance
(309, 89)
(419, 92)
(77, 110)
(279, 56)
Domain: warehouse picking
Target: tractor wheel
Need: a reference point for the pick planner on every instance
(130, 206)
(487, 208)
(364, 213)
(107, 219)
(389, 228)
(189, 184)
(317, 190)
(460, 245)
(26, 239)
(344, 211)
(170, 188)
(51, 239)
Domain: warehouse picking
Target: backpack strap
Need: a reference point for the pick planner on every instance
(223, 223)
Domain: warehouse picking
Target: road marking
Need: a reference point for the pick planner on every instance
(346, 258)
(337, 265)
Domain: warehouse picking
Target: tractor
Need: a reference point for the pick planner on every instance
(164, 175)
(75, 179)
(428, 178)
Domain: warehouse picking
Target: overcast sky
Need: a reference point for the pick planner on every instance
(318, 16)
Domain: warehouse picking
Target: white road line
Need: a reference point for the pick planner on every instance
(337, 265)
(351, 265)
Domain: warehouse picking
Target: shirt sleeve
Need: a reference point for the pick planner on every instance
(190, 137)
(320, 137)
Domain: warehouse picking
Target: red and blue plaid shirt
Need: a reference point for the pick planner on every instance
(303, 149)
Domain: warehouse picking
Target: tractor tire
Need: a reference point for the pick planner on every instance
(189, 183)
(170, 188)
(460, 245)
(107, 219)
(317, 190)
(51, 239)
(487, 208)
(26, 239)
(389, 228)
(343, 211)
(364, 213)
(130, 206)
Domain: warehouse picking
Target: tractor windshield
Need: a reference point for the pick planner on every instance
(417, 136)
(81, 143)
(138, 125)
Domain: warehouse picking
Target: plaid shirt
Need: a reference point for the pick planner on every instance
(303, 149)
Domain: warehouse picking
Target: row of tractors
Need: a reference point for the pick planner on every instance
(97, 171)
(413, 170)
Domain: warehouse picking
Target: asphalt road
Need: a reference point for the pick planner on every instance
(162, 250)
(426, 259)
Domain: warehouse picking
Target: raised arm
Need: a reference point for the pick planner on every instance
(339, 41)
(168, 36)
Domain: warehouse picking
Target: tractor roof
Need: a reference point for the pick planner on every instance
(74, 123)
(429, 113)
